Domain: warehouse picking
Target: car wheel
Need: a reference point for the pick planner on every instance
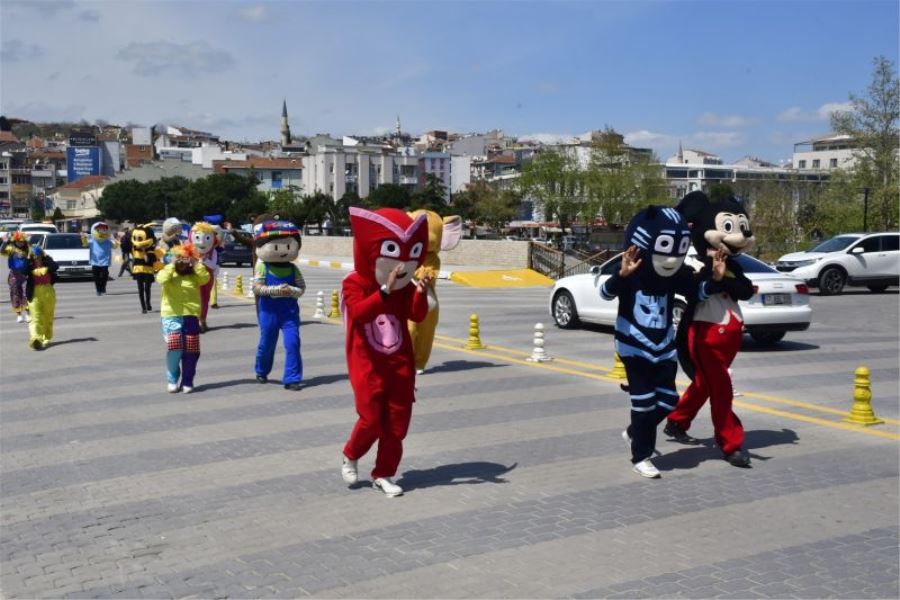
(831, 281)
(678, 312)
(767, 338)
(564, 312)
(877, 288)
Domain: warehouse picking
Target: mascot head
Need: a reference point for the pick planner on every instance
(184, 257)
(276, 241)
(203, 236)
(142, 237)
(663, 237)
(443, 232)
(384, 239)
(100, 231)
(19, 240)
(171, 231)
(722, 225)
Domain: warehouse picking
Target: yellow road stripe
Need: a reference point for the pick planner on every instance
(808, 405)
(557, 359)
(335, 264)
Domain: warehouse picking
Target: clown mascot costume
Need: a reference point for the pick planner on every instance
(378, 300)
(711, 331)
(277, 284)
(651, 273)
(17, 252)
(100, 246)
(204, 239)
(443, 234)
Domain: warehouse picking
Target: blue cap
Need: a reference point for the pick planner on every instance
(37, 250)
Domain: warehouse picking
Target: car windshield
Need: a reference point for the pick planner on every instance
(9, 227)
(38, 229)
(64, 242)
(835, 244)
(752, 265)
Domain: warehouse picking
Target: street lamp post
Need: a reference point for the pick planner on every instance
(865, 210)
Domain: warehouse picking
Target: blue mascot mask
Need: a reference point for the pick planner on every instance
(663, 237)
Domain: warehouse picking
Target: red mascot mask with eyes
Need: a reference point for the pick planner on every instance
(384, 239)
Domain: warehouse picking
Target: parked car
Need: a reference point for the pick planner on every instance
(869, 259)
(780, 303)
(234, 253)
(38, 228)
(7, 226)
(70, 254)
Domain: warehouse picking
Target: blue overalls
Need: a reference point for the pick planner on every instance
(284, 314)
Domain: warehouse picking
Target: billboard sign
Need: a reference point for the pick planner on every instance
(82, 137)
(81, 162)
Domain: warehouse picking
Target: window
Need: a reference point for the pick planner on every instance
(2, 179)
(816, 163)
(832, 163)
(276, 180)
(871, 244)
(70, 204)
(801, 164)
(890, 243)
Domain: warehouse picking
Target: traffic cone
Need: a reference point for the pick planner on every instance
(862, 413)
(618, 370)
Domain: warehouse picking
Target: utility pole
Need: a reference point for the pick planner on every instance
(865, 210)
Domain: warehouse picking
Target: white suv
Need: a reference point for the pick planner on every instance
(869, 259)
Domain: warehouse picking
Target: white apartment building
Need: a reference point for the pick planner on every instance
(824, 153)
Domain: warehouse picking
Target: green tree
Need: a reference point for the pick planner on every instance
(58, 215)
(555, 182)
(389, 195)
(287, 204)
(228, 194)
(129, 200)
(719, 191)
(317, 208)
(342, 210)
(872, 125)
(432, 195)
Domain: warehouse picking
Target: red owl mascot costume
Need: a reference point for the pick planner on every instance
(378, 300)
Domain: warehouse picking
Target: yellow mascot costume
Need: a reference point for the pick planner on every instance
(443, 234)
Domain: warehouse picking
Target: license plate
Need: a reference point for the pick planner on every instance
(776, 299)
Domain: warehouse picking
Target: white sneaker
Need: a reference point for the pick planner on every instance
(626, 437)
(349, 471)
(27, 317)
(420, 371)
(387, 486)
(646, 469)
(187, 389)
(20, 318)
(172, 387)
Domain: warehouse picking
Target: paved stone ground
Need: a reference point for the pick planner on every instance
(518, 484)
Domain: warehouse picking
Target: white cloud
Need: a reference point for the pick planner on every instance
(644, 137)
(165, 58)
(91, 16)
(17, 51)
(256, 12)
(711, 119)
(548, 138)
(823, 113)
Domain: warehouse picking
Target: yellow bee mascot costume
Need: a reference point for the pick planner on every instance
(443, 234)
(145, 262)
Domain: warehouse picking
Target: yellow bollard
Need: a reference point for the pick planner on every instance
(239, 285)
(618, 370)
(862, 413)
(474, 342)
(335, 309)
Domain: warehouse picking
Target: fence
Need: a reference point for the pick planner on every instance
(556, 264)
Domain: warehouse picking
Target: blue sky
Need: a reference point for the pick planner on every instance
(734, 77)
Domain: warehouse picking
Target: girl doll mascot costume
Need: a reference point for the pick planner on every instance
(203, 237)
(443, 234)
(710, 333)
(378, 300)
(145, 262)
(277, 284)
(651, 273)
(17, 251)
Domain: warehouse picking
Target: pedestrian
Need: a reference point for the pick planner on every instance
(100, 245)
(144, 262)
(710, 332)
(125, 248)
(378, 300)
(17, 252)
(41, 296)
(278, 284)
(651, 273)
(180, 282)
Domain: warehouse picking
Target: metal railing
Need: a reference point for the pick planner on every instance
(557, 264)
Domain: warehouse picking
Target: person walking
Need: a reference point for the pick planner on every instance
(41, 297)
(100, 245)
(17, 251)
(125, 247)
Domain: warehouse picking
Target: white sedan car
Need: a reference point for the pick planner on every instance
(69, 253)
(780, 302)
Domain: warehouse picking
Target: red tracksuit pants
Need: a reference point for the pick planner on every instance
(384, 415)
(713, 348)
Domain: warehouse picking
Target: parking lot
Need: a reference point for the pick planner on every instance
(518, 484)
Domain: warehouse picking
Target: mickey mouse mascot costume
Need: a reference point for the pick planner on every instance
(651, 273)
(711, 331)
(378, 300)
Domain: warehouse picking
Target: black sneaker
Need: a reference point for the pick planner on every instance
(294, 387)
(674, 431)
(739, 458)
(262, 379)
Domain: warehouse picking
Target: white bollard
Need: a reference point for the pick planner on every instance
(224, 281)
(538, 354)
(734, 394)
(320, 306)
(249, 293)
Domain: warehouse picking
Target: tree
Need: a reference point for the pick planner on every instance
(872, 125)
(129, 200)
(342, 209)
(58, 215)
(286, 203)
(432, 196)
(389, 195)
(555, 182)
(228, 194)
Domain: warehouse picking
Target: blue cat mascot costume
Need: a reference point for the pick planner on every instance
(652, 272)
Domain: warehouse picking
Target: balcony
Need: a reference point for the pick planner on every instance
(408, 180)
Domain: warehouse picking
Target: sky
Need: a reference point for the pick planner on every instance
(735, 78)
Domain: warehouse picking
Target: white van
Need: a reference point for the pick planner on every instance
(38, 228)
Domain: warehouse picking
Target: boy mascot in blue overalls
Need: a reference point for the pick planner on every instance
(651, 273)
(277, 283)
(100, 245)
